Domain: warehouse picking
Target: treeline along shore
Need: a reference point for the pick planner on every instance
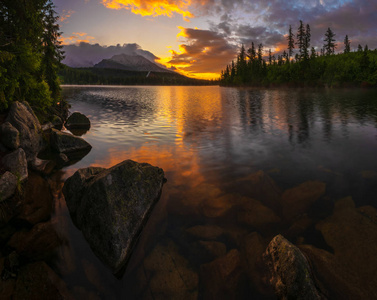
(310, 66)
(99, 76)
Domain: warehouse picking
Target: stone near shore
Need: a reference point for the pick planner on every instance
(77, 121)
(8, 185)
(22, 117)
(9, 136)
(289, 271)
(110, 206)
(16, 163)
(63, 142)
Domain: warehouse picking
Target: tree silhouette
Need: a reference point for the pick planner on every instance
(347, 45)
(307, 42)
(329, 42)
(291, 42)
(301, 37)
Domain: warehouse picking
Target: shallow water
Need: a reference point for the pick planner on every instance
(211, 142)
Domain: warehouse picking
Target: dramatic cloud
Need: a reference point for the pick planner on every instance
(66, 14)
(76, 38)
(152, 7)
(203, 53)
(87, 55)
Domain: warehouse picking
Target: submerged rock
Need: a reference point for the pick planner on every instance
(298, 200)
(289, 271)
(8, 186)
(16, 163)
(67, 143)
(333, 277)
(252, 248)
(255, 214)
(220, 278)
(110, 206)
(39, 243)
(77, 121)
(22, 117)
(38, 280)
(262, 187)
(9, 136)
(352, 233)
(169, 273)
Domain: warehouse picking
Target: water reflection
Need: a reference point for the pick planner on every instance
(242, 164)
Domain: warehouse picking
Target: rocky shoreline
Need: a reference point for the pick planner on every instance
(111, 207)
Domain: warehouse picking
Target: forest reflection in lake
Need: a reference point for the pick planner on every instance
(243, 165)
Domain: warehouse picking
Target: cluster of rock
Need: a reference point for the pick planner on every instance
(28, 238)
(22, 138)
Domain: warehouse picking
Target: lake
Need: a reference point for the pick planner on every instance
(242, 165)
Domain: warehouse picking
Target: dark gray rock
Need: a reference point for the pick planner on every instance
(22, 117)
(289, 271)
(8, 185)
(77, 121)
(9, 136)
(16, 163)
(111, 206)
(63, 142)
(57, 122)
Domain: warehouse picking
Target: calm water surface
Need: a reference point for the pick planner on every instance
(211, 143)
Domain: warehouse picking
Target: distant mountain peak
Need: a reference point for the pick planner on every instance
(130, 62)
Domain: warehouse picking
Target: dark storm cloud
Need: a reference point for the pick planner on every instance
(87, 55)
(269, 21)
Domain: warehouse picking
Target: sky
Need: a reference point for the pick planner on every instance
(198, 38)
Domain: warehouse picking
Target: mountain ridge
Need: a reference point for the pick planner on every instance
(129, 62)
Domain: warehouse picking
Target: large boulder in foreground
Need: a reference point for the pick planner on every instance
(77, 121)
(67, 143)
(110, 206)
(22, 117)
(289, 271)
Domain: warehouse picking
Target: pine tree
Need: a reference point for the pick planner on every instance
(307, 42)
(52, 50)
(291, 42)
(269, 56)
(347, 45)
(359, 48)
(251, 53)
(301, 36)
(329, 42)
(260, 53)
(313, 53)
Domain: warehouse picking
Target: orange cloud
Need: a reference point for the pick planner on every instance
(66, 14)
(76, 38)
(153, 7)
(202, 54)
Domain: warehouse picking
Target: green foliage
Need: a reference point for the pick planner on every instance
(345, 69)
(30, 53)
